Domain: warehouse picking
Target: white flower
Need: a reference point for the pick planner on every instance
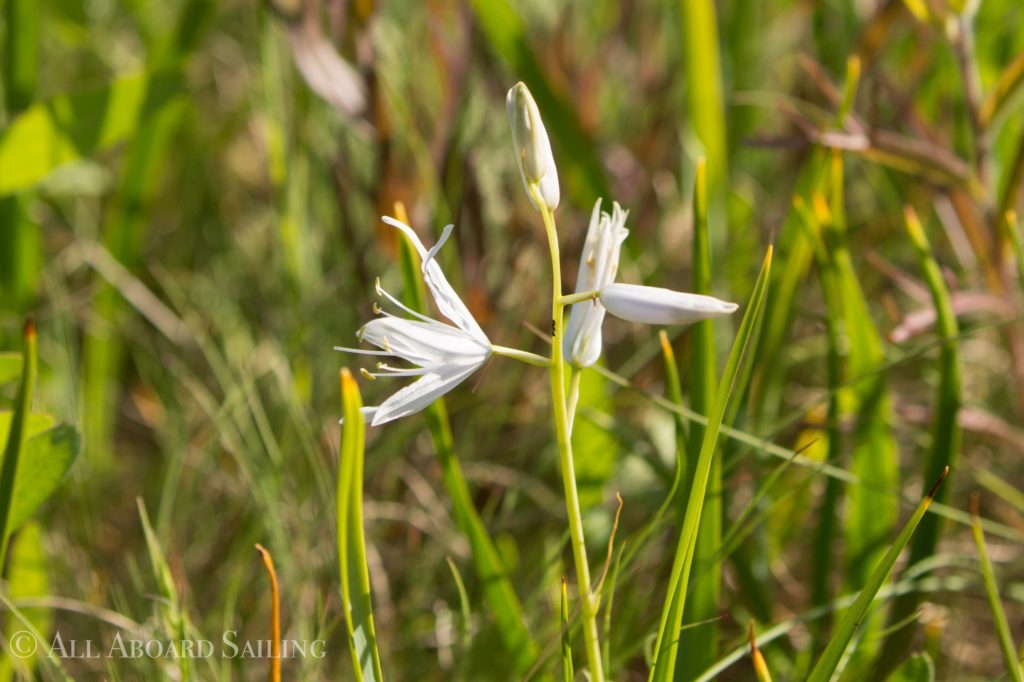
(444, 354)
(599, 262)
(532, 147)
(654, 305)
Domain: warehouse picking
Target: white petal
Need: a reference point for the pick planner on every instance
(448, 302)
(422, 392)
(366, 412)
(421, 343)
(654, 305)
(532, 145)
(599, 262)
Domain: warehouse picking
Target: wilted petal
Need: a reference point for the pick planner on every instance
(654, 305)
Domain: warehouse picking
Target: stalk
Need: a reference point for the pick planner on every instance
(561, 416)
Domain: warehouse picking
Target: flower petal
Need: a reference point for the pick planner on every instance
(421, 343)
(448, 302)
(654, 305)
(422, 392)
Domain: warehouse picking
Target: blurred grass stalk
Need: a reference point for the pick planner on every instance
(490, 570)
(945, 447)
(17, 436)
(20, 241)
(700, 643)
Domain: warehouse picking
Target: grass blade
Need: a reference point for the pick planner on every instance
(567, 671)
(700, 642)
(355, 575)
(17, 436)
(275, 615)
(667, 643)
(853, 618)
(995, 605)
(945, 446)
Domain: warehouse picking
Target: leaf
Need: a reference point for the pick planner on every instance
(27, 577)
(10, 367)
(355, 575)
(71, 127)
(917, 668)
(16, 437)
(46, 461)
(855, 616)
(667, 642)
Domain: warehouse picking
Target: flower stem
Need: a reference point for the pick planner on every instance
(582, 296)
(558, 407)
(522, 356)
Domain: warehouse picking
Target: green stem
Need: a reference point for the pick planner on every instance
(522, 356)
(561, 415)
(574, 395)
(582, 296)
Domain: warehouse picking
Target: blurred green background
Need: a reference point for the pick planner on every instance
(190, 195)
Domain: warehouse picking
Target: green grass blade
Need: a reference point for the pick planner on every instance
(355, 575)
(945, 446)
(700, 642)
(17, 436)
(567, 670)
(1012, 230)
(71, 127)
(855, 616)
(667, 643)
(464, 610)
(995, 605)
(703, 68)
(506, 34)
(490, 570)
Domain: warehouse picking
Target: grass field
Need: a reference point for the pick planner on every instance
(191, 196)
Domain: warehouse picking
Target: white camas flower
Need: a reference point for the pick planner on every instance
(532, 146)
(654, 305)
(599, 262)
(444, 354)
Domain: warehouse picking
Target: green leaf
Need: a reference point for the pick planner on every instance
(27, 577)
(10, 367)
(854, 618)
(667, 642)
(16, 437)
(917, 668)
(355, 575)
(71, 127)
(46, 461)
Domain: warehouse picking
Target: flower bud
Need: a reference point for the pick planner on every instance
(532, 147)
(654, 305)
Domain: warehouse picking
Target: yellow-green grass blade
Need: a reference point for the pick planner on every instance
(702, 65)
(700, 643)
(995, 604)
(17, 436)
(506, 34)
(858, 612)
(1012, 231)
(667, 643)
(490, 570)
(20, 247)
(871, 513)
(567, 669)
(945, 447)
(355, 575)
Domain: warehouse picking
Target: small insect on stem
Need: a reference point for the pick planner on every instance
(553, 329)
